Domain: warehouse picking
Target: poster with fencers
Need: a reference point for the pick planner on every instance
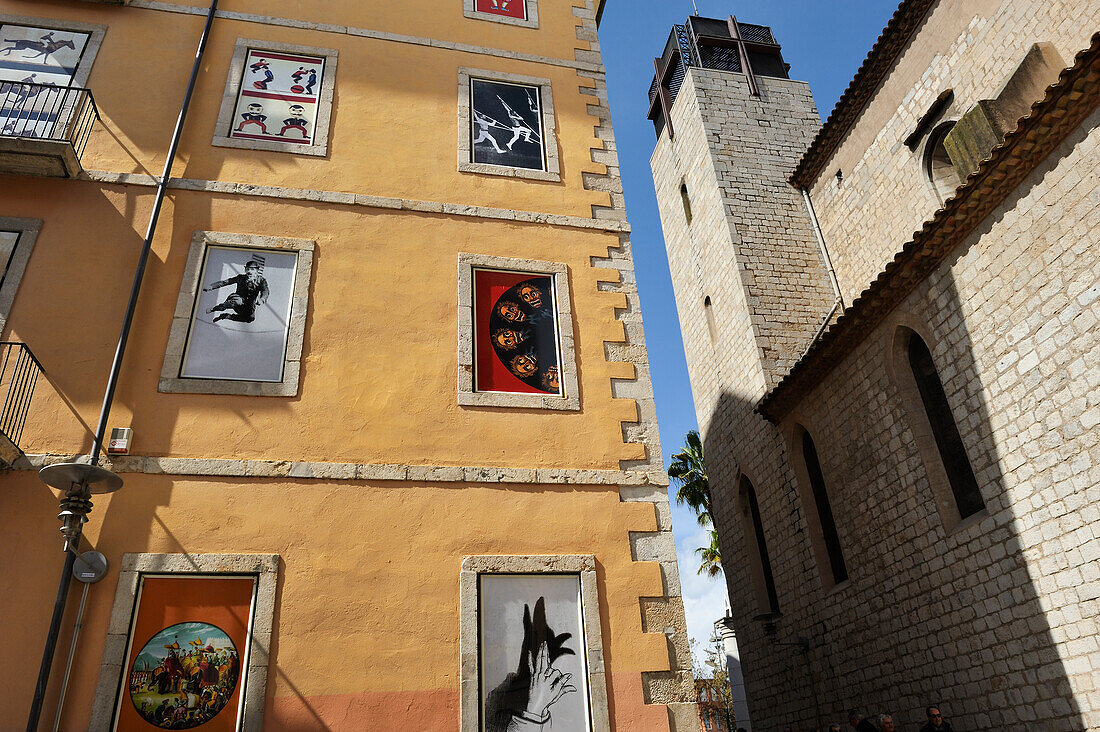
(32, 60)
(241, 317)
(278, 97)
(533, 673)
(506, 124)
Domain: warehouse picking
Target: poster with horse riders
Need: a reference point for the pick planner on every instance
(188, 654)
(506, 124)
(32, 60)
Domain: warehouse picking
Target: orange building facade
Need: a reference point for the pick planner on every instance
(394, 461)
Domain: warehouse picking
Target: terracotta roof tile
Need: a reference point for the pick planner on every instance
(872, 71)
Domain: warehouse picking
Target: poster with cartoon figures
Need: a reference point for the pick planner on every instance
(509, 8)
(516, 334)
(506, 124)
(188, 655)
(533, 674)
(278, 97)
(241, 317)
(32, 60)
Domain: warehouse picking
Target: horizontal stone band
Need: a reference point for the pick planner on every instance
(222, 467)
(358, 199)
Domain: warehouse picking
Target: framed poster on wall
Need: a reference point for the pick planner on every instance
(516, 334)
(187, 654)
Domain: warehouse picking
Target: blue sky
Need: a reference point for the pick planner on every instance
(824, 41)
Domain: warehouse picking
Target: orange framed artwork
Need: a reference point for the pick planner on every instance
(186, 659)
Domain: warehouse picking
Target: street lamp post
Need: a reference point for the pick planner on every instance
(79, 481)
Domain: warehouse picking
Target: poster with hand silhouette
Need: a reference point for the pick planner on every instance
(533, 673)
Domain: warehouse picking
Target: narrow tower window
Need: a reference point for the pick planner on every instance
(964, 486)
(761, 563)
(824, 510)
(686, 200)
(712, 326)
(938, 168)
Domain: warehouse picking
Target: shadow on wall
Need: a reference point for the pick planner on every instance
(937, 609)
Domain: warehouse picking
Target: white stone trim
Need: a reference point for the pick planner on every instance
(233, 87)
(264, 567)
(360, 199)
(95, 33)
(28, 233)
(169, 7)
(530, 6)
(467, 396)
(585, 566)
(170, 381)
(466, 163)
(629, 481)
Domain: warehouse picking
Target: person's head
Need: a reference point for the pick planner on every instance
(854, 717)
(297, 111)
(885, 723)
(934, 716)
(834, 728)
(252, 267)
(255, 108)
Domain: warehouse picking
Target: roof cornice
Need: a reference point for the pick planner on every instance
(1066, 104)
(891, 42)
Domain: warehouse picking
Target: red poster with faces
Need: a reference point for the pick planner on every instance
(188, 654)
(515, 333)
(509, 8)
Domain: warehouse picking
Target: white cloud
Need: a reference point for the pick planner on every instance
(704, 597)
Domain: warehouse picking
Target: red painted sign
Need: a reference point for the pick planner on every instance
(509, 8)
(515, 333)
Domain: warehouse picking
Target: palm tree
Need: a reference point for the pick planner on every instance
(711, 564)
(689, 470)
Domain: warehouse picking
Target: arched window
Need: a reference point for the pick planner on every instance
(824, 510)
(758, 547)
(938, 168)
(686, 201)
(960, 475)
(712, 326)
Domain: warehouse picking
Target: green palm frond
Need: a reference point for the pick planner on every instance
(711, 557)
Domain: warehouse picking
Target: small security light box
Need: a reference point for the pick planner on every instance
(119, 444)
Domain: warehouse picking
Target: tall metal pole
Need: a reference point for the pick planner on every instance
(139, 275)
(72, 538)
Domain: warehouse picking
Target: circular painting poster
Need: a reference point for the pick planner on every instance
(184, 675)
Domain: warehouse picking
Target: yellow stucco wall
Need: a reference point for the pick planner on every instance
(379, 373)
(367, 621)
(367, 604)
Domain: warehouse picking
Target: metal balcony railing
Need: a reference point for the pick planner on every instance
(46, 112)
(19, 371)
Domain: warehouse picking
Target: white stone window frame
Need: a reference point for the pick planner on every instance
(319, 148)
(264, 567)
(470, 651)
(95, 33)
(28, 230)
(469, 9)
(466, 162)
(170, 380)
(467, 354)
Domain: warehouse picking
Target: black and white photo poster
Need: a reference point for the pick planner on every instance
(241, 318)
(506, 124)
(533, 674)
